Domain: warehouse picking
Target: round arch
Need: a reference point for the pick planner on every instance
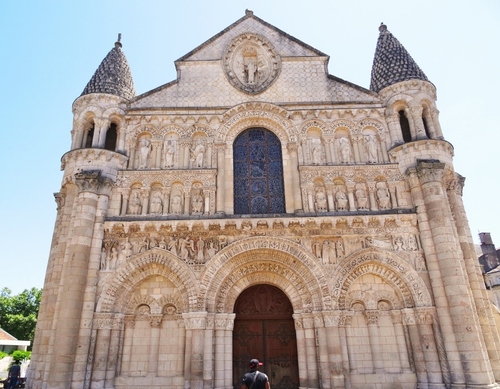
(394, 270)
(119, 288)
(273, 261)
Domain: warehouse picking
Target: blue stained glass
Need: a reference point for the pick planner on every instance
(258, 173)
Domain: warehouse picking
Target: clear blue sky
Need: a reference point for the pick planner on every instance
(50, 50)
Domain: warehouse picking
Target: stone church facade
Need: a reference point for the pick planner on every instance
(259, 207)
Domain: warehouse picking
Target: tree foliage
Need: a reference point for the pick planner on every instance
(18, 313)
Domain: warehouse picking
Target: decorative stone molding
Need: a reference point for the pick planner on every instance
(372, 317)
(60, 199)
(155, 320)
(430, 171)
(108, 321)
(195, 320)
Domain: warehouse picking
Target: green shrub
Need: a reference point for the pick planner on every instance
(20, 355)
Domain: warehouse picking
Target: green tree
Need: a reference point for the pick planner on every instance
(18, 313)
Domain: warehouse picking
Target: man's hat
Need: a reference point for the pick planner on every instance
(254, 363)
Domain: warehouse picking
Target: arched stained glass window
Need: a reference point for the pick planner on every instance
(258, 173)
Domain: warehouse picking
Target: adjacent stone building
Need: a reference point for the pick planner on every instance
(259, 207)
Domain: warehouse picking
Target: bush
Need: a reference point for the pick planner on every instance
(3, 355)
(20, 355)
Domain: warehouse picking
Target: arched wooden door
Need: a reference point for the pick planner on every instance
(264, 329)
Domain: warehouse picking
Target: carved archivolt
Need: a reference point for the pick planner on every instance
(287, 265)
(119, 288)
(269, 116)
(394, 270)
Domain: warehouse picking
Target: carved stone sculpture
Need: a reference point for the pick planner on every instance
(176, 206)
(144, 151)
(321, 202)
(135, 205)
(344, 150)
(156, 206)
(383, 196)
(371, 148)
(169, 154)
(361, 197)
(197, 202)
(198, 155)
(341, 198)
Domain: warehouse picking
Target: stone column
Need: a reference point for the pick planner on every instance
(395, 133)
(294, 168)
(113, 365)
(131, 160)
(469, 339)
(439, 291)
(345, 320)
(328, 151)
(155, 323)
(125, 196)
(145, 202)
(301, 351)
(101, 126)
(187, 201)
(334, 349)
(355, 145)
(166, 201)
(80, 268)
(424, 317)
(323, 357)
(434, 114)
(120, 143)
(416, 114)
(208, 357)
(416, 347)
(77, 135)
(372, 324)
(195, 326)
(371, 192)
(350, 196)
(401, 342)
(129, 323)
(473, 271)
(311, 356)
(413, 130)
(206, 194)
(394, 199)
(224, 323)
(102, 324)
(329, 195)
(430, 123)
(221, 178)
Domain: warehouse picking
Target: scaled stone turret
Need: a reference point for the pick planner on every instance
(392, 63)
(113, 75)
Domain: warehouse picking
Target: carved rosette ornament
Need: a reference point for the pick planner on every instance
(251, 63)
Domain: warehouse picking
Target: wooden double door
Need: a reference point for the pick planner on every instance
(264, 329)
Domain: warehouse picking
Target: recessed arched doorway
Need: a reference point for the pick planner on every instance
(264, 329)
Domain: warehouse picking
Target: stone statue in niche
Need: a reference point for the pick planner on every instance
(382, 244)
(361, 197)
(317, 249)
(156, 206)
(198, 155)
(197, 202)
(127, 249)
(341, 198)
(344, 150)
(176, 206)
(321, 202)
(316, 151)
(383, 196)
(169, 153)
(135, 205)
(371, 148)
(212, 250)
(144, 151)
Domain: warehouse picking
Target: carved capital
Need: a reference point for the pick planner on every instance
(430, 171)
(345, 319)
(101, 122)
(331, 319)
(155, 320)
(195, 320)
(108, 321)
(129, 321)
(372, 316)
(396, 317)
(60, 199)
(292, 146)
(457, 184)
(88, 181)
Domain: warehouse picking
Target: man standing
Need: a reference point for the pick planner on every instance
(255, 379)
(14, 375)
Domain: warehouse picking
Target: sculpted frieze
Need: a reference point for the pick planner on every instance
(146, 178)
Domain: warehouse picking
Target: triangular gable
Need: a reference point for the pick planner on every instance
(286, 45)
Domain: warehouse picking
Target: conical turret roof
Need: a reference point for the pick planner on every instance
(392, 63)
(113, 75)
